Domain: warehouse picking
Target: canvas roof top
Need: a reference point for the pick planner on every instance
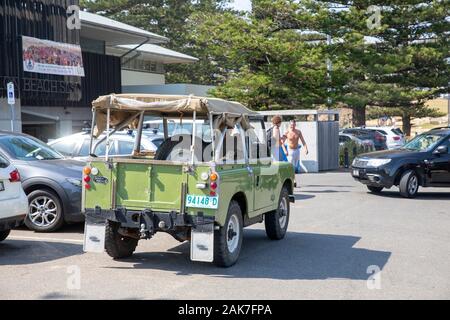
(125, 107)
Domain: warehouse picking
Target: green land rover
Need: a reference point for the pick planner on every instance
(203, 187)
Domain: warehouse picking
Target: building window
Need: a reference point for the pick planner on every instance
(143, 66)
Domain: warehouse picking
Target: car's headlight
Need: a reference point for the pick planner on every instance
(375, 163)
(354, 162)
(75, 182)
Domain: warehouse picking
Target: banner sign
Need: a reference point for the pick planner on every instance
(49, 57)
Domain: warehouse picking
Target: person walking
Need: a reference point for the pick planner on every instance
(292, 138)
(274, 136)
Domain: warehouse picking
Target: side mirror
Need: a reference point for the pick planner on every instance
(441, 150)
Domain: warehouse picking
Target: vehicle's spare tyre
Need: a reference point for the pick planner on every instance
(178, 148)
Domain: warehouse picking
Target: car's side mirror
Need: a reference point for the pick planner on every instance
(441, 150)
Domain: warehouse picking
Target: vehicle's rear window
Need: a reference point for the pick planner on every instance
(3, 163)
(397, 131)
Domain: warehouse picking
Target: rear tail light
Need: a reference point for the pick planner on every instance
(397, 138)
(14, 176)
(87, 171)
(213, 185)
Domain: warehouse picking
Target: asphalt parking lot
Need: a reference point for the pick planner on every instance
(339, 236)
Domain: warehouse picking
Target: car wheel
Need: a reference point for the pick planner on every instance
(45, 213)
(409, 184)
(116, 245)
(375, 189)
(228, 239)
(277, 221)
(4, 234)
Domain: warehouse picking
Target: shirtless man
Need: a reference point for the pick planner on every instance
(292, 138)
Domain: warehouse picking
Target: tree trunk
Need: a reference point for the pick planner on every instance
(359, 116)
(406, 125)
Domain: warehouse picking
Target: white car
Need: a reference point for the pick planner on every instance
(394, 136)
(13, 201)
(122, 143)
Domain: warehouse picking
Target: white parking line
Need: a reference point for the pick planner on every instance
(45, 239)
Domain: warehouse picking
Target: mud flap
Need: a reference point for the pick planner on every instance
(94, 235)
(202, 243)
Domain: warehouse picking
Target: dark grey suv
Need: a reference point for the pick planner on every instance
(51, 182)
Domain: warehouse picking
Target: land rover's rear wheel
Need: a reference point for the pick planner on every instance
(228, 239)
(409, 184)
(116, 245)
(4, 234)
(277, 221)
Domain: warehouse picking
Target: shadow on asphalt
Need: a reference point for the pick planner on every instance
(76, 228)
(299, 197)
(420, 196)
(300, 256)
(326, 191)
(22, 252)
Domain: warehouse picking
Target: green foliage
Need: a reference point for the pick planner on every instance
(353, 150)
(176, 20)
(276, 55)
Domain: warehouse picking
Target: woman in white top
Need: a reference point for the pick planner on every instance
(276, 139)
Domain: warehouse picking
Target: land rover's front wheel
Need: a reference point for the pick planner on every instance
(277, 221)
(228, 239)
(116, 245)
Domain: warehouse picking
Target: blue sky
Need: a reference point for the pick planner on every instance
(242, 4)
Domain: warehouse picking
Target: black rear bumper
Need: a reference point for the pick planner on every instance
(12, 222)
(156, 221)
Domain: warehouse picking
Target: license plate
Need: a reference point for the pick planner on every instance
(205, 202)
(356, 173)
(2, 186)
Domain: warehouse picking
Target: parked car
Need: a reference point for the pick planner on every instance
(122, 143)
(51, 182)
(177, 127)
(394, 136)
(378, 138)
(193, 189)
(13, 201)
(345, 137)
(424, 161)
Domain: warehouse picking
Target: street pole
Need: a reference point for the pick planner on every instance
(329, 76)
(448, 108)
(12, 117)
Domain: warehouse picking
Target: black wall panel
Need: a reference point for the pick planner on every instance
(46, 19)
